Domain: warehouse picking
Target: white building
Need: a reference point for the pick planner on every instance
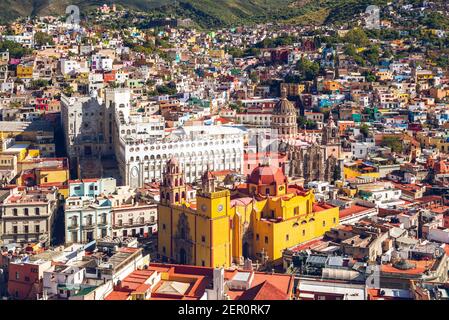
(102, 63)
(197, 148)
(360, 150)
(439, 234)
(86, 133)
(384, 195)
(71, 67)
(142, 146)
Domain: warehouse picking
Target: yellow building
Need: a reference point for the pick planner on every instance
(218, 54)
(40, 134)
(221, 227)
(24, 71)
(293, 89)
(351, 172)
(331, 86)
(384, 75)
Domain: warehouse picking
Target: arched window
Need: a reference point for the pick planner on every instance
(177, 197)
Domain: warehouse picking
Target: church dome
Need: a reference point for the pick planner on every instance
(283, 106)
(267, 175)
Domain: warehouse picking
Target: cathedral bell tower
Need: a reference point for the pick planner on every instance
(208, 182)
(173, 189)
(330, 134)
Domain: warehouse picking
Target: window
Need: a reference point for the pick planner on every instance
(203, 263)
(37, 228)
(14, 212)
(303, 233)
(324, 223)
(25, 211)
(266, 240)
(287, 237)
(163, 226)
(203, 239)
(14, 229)
(257, 236)
(37, 211)
(17, 275)
(334, 220)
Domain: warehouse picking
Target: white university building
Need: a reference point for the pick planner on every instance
(141, 143)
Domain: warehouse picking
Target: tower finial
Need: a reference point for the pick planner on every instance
(330, 121)
(284, 93)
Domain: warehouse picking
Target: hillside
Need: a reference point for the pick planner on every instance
(207, 13)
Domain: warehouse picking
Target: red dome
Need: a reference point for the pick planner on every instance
(266, 175)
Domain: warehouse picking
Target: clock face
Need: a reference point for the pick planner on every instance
(220, 208)
(204, 207)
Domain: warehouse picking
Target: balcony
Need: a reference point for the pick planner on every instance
(102, 223)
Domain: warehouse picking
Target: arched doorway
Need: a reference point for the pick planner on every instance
(182, 256)
(245, 252)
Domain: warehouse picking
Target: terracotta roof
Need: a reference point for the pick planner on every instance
(352, 210)
(264, 291)
(117, 295)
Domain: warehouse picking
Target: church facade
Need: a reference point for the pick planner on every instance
(316, 161)
(221, 227)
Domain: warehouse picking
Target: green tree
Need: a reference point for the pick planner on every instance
(357, 37)
(337, 173)
(394, 143)
(364, 129)
(308, 70)
(38, 84)
(42, 38)
(15, 49)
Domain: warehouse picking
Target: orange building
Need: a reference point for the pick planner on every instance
(25, 278)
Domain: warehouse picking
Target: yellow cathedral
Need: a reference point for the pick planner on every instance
(222, 227)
